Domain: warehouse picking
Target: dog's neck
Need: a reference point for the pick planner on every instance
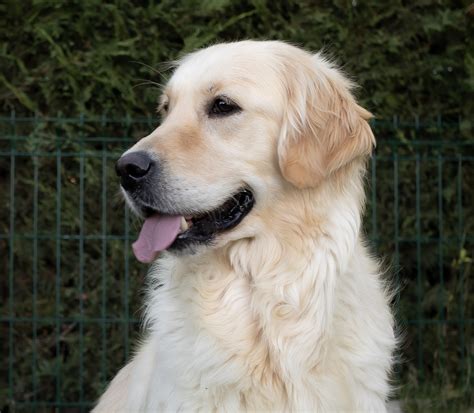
(331, 211)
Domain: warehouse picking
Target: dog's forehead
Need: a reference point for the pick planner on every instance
(220, 65)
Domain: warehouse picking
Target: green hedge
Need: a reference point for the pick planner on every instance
(76, 56)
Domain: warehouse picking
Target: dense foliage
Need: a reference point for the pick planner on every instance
(104, 60)
(89, 56)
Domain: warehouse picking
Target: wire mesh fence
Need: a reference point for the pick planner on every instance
(71, 289)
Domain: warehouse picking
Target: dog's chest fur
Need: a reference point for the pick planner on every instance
(211, 347)
(223, 338)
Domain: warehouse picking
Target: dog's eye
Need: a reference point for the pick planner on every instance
(163, 108)
(223, 106)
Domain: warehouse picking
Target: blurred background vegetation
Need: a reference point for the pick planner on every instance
(82, 78)
(86, 56)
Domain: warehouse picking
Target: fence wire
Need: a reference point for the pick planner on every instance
(71, 289)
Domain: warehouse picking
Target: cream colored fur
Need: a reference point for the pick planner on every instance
(286, 312)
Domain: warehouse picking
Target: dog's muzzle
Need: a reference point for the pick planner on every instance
(172, 225)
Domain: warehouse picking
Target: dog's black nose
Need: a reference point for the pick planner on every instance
(133, 168)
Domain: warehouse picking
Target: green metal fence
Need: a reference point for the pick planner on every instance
(69, 315)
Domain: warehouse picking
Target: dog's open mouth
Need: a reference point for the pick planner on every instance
(176, 232)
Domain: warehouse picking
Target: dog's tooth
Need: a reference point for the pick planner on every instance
(184, 225)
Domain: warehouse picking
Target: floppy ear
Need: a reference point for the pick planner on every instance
(324, 128)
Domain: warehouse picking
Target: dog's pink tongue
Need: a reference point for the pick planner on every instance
(157, 234)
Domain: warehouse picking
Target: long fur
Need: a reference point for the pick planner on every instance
(288, 311)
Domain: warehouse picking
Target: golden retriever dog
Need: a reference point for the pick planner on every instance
(263, 295)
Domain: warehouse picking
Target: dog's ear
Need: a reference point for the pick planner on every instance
(324, 128)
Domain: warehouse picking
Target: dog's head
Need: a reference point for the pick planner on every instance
(242, 122)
